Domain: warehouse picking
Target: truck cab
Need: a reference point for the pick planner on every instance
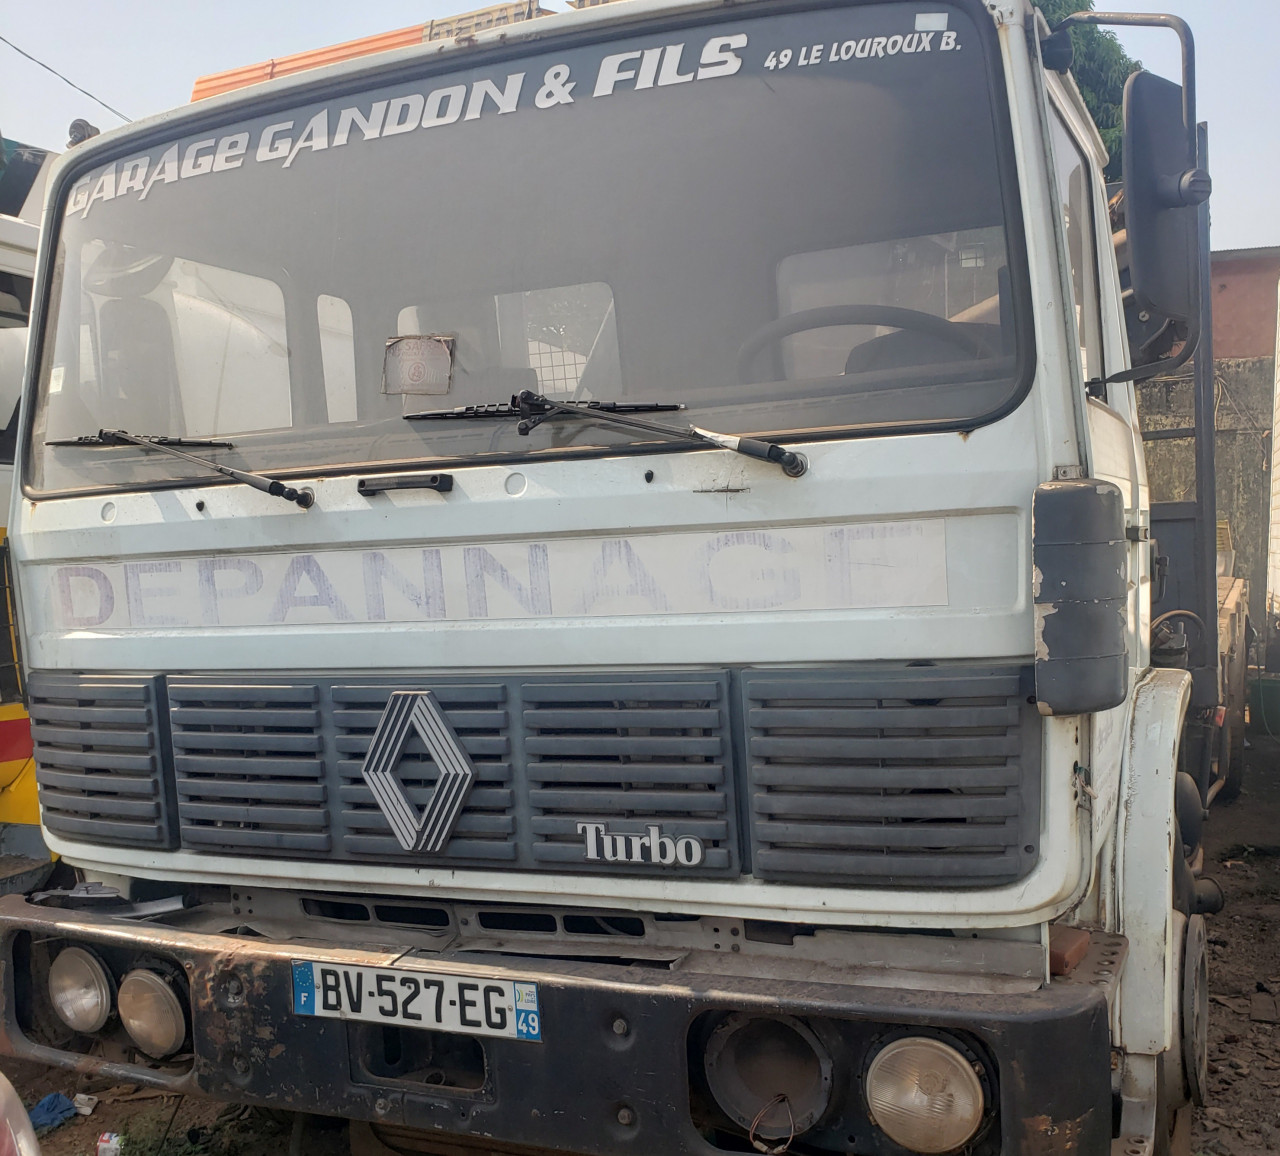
(589, 586)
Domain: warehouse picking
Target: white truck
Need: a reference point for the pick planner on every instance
(587, 588)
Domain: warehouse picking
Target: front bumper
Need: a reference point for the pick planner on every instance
(589, 1086)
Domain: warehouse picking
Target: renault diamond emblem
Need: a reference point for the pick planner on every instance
(408, 711)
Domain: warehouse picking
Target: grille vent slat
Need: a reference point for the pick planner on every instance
(119, 806)
(597, 802)
(252, 767)
(936, 838)
(938, 778)
(706, 829)
(908, 870)
(68, 736)
(190, 717)
(136, 717)
(99, 759)
(829, 805)
(918, 748)
(709, 774)
(907, 777)
(96, 759)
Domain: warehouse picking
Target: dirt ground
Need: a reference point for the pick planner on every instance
(150, 1124)
(1242, 1117)
(1242, 851)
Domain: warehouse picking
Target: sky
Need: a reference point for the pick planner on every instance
(141, 57)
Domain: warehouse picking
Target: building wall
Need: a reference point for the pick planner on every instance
(1244, 302)
(1245, 295)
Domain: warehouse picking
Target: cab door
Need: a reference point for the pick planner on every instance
(1111, 413)
(1114, 439)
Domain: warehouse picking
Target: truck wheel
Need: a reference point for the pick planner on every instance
(1183, 1070)
(1194, 1005)
(1174, 1113)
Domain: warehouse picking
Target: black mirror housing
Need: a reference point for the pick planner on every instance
(1162, 188)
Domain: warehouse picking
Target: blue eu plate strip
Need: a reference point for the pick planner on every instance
(528, 1020)
(304, 989)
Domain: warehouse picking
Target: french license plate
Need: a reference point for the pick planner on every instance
(417, 999)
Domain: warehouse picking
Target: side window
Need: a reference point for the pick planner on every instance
(567, 335)
(172, 346)
(337, 356)
(232, 352)
(1075, 196)
(15, 299)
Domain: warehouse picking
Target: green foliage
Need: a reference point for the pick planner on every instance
(1100, 69)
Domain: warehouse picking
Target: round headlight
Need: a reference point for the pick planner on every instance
(151, 1013)
(924, 1095)
(80, 990)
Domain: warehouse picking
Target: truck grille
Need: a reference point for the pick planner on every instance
(885, 775)
(273, 768)
(902, 777)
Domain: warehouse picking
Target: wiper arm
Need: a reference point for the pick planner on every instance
(118, 437)
(115, 437)
(533, 409)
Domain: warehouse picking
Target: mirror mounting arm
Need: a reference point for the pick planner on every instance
(1189, 188)
(1155, 20)
(1150, 369)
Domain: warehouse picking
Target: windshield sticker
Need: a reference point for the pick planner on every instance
(422, 365)
(877, 565)
(931, 21)
(295, 140)
(867, 47)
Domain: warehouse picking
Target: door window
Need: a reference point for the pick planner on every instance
(1075, 197)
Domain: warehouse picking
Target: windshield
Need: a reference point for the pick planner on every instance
(795, 224)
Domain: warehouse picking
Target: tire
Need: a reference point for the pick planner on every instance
(1174, 1113)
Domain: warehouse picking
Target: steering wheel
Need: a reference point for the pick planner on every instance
(831, 315)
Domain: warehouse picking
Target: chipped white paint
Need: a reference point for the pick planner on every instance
(1144, 1015)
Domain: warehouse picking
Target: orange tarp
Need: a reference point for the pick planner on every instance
(219, 82)
(466, 24)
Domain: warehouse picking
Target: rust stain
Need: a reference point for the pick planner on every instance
(1045, 1136)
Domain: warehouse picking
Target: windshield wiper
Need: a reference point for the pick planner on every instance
(118, 437)
(533, 409)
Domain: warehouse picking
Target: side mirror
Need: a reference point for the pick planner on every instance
(1162, 188)
(1163, 185)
